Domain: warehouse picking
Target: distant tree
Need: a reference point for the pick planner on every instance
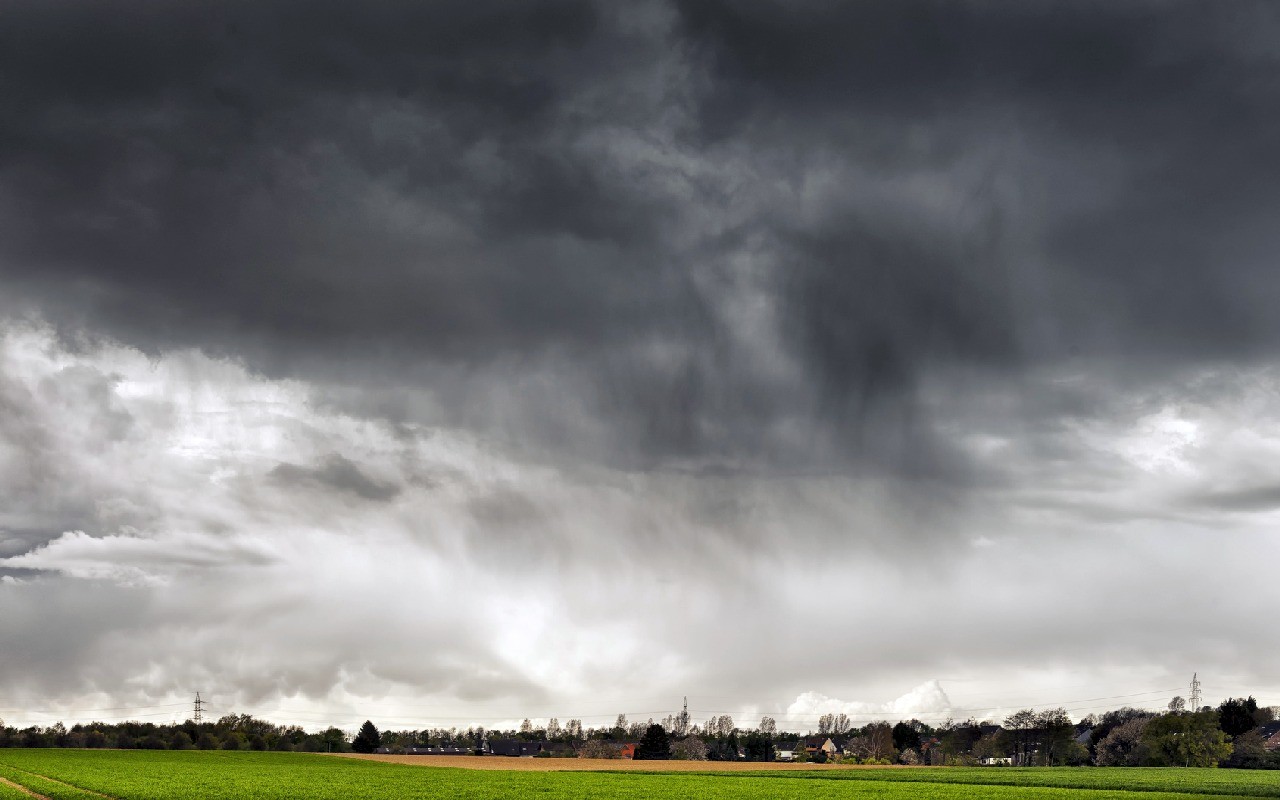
(958, 738)
(1123, 745)
(1021, 727)
(990, 746)
(553, 730)
(180, 741)
(758, 745)
(151, 742)
(1190, 740)
(654, 745)
(334, 740)
(367, 740)
(1249, 751)
(1236, 715)
(769, 726)
(1112, 719)
(905, 736)
(259, 742)
(690, 748)
(1056, 735)
(601, 748)
(720, 726)
(526, 727)
(620, 727)
(826, 724)
(879, 741)
(1177, 705)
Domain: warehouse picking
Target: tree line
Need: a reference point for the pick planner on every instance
(1223, 736)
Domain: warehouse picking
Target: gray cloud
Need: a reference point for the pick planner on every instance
(335, 472)
(681, 306)
(585, 200)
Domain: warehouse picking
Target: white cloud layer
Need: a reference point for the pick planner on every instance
(927, 702)
(177, 523)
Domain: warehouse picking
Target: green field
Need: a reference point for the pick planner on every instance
(153, 775)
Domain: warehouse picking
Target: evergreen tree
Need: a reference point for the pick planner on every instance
(367, 740)
(758, 746)
(654, 745)
(1236, 715)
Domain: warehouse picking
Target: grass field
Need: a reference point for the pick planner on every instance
(152, 775)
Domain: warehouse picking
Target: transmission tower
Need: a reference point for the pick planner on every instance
(199, 709)
(1195, 692)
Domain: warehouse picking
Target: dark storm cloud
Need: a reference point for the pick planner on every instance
(562, 198)
(217, 171)
(1170, 260)
(335, 472)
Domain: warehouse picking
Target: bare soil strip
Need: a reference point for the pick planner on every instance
(596, 764)
(22, 789)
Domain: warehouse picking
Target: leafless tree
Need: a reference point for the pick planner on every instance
(600, 748)
(720, 726)
(1123, 747)
(1022, 729)
(689, 749)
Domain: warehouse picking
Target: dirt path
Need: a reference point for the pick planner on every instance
(596, 764)
(22, 789)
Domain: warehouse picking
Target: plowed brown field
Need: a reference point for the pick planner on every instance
(593, 764)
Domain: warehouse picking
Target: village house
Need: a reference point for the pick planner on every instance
(787, 750)
(515, 748)
(1271, 736)
(812, 744)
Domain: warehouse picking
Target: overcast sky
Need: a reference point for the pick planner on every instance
(449, 363)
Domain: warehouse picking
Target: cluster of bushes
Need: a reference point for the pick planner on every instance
(1226, 736)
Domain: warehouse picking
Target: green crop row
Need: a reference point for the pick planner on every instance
(52, 789)
(9, 793)
(196, 775)
(1251, 783)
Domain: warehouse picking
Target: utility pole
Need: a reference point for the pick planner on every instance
(1195, 692)
(199, 709)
